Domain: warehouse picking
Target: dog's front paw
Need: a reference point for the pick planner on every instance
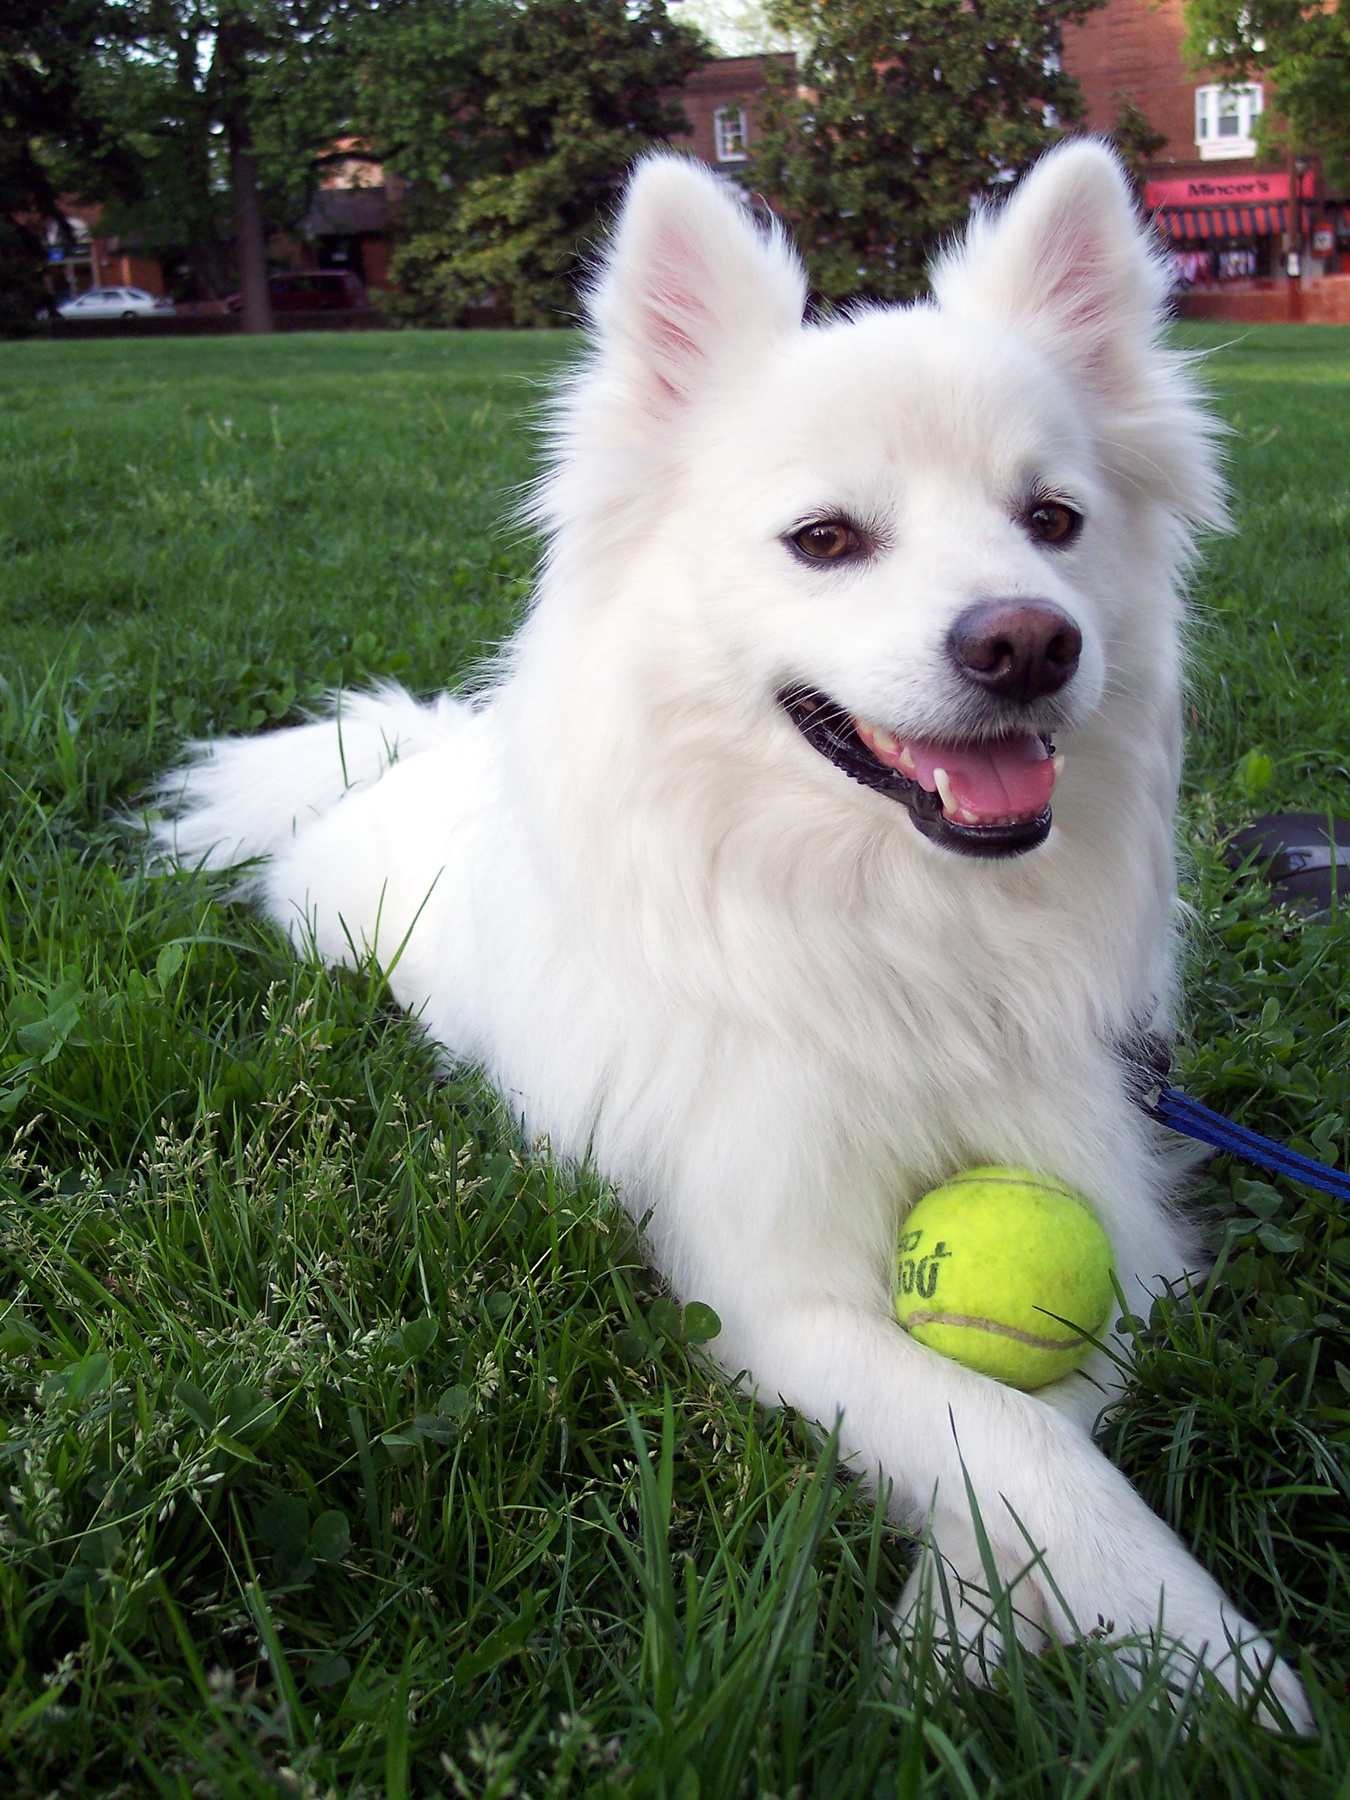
(950, 1603)
(1166, 1617)
(1200, 1629)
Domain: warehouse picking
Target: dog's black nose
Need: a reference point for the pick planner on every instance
(1017, 649)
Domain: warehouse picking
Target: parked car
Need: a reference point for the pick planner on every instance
(116, 303)
(310, 290)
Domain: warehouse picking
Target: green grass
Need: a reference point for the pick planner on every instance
(344, 1448)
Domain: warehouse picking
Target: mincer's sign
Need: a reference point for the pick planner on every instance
(1231, 190)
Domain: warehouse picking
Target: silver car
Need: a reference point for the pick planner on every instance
(115, 303)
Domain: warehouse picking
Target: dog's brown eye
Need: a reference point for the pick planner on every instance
(1053, 523)
(829, 540)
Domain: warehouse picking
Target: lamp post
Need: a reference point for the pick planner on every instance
(1293, 238)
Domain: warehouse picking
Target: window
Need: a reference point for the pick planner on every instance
(1225, 120)
(729, 133)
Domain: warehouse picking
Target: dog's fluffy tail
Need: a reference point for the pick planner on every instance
(239, 799)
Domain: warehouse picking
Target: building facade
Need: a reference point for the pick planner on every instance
(1247, 239)
(722, 102)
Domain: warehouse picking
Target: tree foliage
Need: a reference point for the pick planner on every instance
(55, 137)
(1302, 49)
(193, 124)
(558, 100)
(901, 112)
(418, 99)
(1137, 139)
(232, 107)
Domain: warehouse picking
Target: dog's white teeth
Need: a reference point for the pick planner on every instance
(966, 817)
(905, 761)
(1057, 763)
(942, 782)
(881, 741)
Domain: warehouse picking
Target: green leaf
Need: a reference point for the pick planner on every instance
(1325, 1135)
(498, 1645)
(85, 1378)
(454, 1403)
(663, 1316)
(231, 1445)
(195, 1404)
(100, 1547)
(630, 1349)
(701, 1323)
(1282, 1242)
(48, 1032)
(412, 1341)
(329, 1671)
(1258, 1197)
(246, 1412)
(331, 1537)
(168, 963)
(1254, 773)
(434, 1426)
(283, 1525)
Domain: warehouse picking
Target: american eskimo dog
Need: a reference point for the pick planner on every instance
(814, 840)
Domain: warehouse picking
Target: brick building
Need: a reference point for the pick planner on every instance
(721, 101)
(1227, 218)
(85, 260)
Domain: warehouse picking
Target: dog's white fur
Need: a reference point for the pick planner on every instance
(685, 945)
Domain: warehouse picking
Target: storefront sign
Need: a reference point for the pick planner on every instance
(1224, 190)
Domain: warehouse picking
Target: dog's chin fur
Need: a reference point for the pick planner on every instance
(687, 944)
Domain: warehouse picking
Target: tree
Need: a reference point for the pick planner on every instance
(901, 112)
(419, 94)
(1303, 50)
(1137, 139)
(232, 106)
(54, 137)
(564, 94)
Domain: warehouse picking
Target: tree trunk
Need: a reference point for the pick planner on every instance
(249, 241)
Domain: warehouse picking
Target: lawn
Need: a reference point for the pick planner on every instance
(345, 1447)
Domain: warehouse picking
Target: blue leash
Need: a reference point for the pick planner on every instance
(1180, 1113)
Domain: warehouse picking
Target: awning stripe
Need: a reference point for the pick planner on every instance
(1183, 223)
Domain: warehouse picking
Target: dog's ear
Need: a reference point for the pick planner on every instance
(690, 278)
(1068, 261)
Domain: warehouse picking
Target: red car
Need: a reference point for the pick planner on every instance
(309, 290)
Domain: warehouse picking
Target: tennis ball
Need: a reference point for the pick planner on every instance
(992, 1263)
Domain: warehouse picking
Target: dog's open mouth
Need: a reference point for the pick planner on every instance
(983, 799)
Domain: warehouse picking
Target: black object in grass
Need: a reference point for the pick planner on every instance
(1304, 856)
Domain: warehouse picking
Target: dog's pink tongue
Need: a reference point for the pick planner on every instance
(994, 781)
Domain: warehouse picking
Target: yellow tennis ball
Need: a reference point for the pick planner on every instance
(1006, 1272)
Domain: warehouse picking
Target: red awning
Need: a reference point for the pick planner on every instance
(1186, 224)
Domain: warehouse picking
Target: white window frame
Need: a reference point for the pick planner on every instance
(1225, 120)
(731, 134)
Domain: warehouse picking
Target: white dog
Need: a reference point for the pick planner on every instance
(741, 878)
